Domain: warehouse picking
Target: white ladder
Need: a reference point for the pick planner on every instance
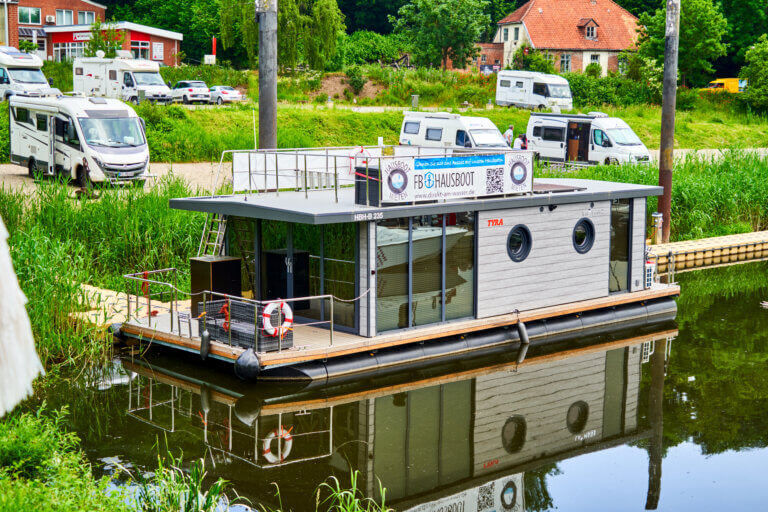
(212, 241)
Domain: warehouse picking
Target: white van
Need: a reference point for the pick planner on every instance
(86, 139)
(594, 138)
(20, 73)
(441, 129)
(123, 78)
(529, 89)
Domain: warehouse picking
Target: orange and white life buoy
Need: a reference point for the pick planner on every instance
(282, 435)
(266, 319)
(361, 154)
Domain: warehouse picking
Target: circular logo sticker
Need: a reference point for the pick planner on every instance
(397, 181)
(518, 173)
(429, 180)
(509, 495)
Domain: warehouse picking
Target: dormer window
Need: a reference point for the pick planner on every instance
(591, 32)
(590, 28)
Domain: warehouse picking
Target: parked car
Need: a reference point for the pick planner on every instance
(190, 91)
(225, 94)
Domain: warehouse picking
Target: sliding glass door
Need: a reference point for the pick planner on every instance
(425, 270)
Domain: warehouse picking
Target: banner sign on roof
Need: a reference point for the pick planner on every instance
(456, 177)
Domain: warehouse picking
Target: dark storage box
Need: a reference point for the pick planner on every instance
(213, 273)
(371, 175)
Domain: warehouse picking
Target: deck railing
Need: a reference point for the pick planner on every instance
(313, 169)
(151, 295)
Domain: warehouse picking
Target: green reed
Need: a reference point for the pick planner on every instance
(711, 196)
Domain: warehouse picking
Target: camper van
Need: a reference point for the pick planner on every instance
(594, 138)
(528, 89)
(441, 129)
(20, 73)
(123, 78)
(86, 139)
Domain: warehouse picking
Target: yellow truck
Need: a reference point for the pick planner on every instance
(732, 85)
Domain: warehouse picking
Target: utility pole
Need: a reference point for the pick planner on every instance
(656, 419)
(266, 17)
(668, 103)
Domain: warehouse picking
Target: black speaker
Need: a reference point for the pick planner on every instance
(214, 273)
(277, 276)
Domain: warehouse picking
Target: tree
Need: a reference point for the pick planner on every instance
(755, 71)
(702, 28)
(320, 41)
(198, 20)
(747, 20)
(443, 29)
(104, 37)
(291, 25)
(27, 46)
(370, 15)
(239, 28)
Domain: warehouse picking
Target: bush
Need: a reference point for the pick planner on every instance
(612, 90)
(686, 98)
(356, 80)
(60, 73)
(364, 47)
(594, 70)
(528, 59)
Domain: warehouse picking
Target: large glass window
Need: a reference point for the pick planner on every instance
(68, 51)
(86, 17)
(427, 258)
(459, 265)
(565, 62)
(339, 271)
(392, 240)
(64, 17)
(140, 49)
(620, 237)
(425, 270)
(29, 15)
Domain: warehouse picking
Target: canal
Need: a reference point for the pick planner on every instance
(673, 417)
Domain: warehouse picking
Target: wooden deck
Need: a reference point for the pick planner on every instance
(313, 343)
(710, 252)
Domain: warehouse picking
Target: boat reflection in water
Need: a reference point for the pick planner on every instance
(471, 436)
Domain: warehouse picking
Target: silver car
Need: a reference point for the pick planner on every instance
(190, 91)
(225, 94)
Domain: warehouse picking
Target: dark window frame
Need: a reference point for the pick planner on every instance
(526, 246)
(41, 119)
(433, 129)
(589, 239)
(407, 123)
(550, 130)
(505, 83)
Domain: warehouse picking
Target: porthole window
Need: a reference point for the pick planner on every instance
(513, 434)
(519, 243)
(576, 419)
(583, 236)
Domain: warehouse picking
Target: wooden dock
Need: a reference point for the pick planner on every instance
(709, 252)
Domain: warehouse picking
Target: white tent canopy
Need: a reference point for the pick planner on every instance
(19, 363)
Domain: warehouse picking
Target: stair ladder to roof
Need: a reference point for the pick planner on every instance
(212, 241)
(244, 242)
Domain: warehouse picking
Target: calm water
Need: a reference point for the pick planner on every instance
(673, 418)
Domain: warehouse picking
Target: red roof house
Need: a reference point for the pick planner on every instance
(574, 33)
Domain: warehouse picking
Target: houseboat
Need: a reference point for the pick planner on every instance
(431, 438)
(320, 263)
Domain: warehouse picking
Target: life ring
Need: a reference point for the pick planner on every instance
(358, 153)
(281, 434)
(266, 319)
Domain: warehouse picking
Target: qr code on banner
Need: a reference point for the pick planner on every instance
(485, 497)
(494, 181)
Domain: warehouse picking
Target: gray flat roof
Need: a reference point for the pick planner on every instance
(320, 207)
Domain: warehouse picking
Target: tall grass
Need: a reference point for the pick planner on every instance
(58, 242)
(41, 468)
(710, 196)
(332, 496)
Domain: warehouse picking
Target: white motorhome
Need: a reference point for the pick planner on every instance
(594, 138)
(20, 73)
(123, 78)
(529, 89)
(86, 139)
(442, 129)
